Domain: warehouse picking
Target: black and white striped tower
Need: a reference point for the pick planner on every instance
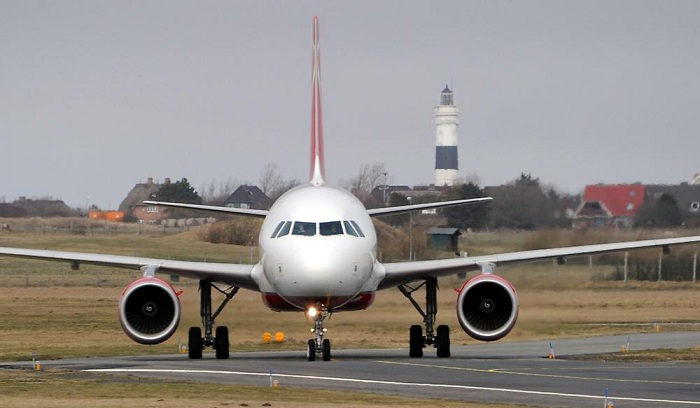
(446, 121)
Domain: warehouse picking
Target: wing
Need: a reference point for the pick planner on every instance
(402, 272)
(229, 210)
(414, 207)
(234, 274)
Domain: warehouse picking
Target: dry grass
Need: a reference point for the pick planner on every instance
(49, 309)
(28, 389)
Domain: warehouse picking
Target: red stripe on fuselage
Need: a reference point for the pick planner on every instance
(334, 304)
(317, 166)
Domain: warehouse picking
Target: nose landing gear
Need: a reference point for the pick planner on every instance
(318, 346)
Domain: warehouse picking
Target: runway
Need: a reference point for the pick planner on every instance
(517, 373)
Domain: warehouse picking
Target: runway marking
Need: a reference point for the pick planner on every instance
(382, 382)
(568, 377)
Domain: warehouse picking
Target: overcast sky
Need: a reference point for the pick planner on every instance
(96, 96)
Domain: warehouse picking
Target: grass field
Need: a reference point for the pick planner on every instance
(54, 312)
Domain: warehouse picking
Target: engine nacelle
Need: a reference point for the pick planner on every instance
(149, 310)
(487, 307)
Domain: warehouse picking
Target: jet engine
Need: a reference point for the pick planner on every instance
(149, 310)
(487, 307)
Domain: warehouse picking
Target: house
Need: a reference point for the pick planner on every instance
(609, 205)
(687, 197)
(134, 209)
(247, 196)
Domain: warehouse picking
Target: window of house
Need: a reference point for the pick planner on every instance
(695, 206)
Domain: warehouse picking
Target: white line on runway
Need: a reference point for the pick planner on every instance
(528, 374)
(380, 382)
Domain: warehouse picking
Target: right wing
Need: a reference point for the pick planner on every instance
(234, 274)
(229, 210)
(403, 272)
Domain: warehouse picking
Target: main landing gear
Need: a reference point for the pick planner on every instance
(318, 347)
(220, 342)
(439, 340)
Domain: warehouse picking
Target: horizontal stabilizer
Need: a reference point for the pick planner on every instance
(426, 206)
(228, 210)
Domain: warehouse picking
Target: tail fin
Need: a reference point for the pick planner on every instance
(317, 174)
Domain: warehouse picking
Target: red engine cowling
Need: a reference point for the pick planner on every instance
(149, 310)
(487, 307)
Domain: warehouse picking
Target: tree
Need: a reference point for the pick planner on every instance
(178, 192)
(270, 178)
(272, 183)
(474, 216)
(395, 200)
(367, 178)
(523, 204)
(661, 213)
(217, 191)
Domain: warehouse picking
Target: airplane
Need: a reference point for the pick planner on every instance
(319, 256)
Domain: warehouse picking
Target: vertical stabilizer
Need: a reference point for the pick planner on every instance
(317, 176)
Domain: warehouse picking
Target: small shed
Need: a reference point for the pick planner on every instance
(444, 239)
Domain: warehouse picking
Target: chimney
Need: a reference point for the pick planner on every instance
(150, 181)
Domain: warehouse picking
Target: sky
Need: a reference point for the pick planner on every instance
(96, 96)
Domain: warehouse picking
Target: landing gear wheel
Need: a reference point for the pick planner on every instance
(194, 344)
(326, 350)
(311, 350)
(221, 343)
(415, 342)
(443, 341)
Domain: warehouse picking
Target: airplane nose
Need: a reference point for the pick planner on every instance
(313, 271)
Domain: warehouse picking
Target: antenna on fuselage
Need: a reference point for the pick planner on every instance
(317, 174)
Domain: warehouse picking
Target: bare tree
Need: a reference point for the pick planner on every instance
(270, 178)
(273, 184)
(368, 177)
(217, 191)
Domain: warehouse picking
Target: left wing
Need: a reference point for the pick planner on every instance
(234, 274)
(373, 212)
(402, 272)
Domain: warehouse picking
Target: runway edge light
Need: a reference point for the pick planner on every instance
(551, 352)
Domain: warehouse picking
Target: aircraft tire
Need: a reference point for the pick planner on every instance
(221, 343)
(443, 341)
(311, 350)
(326, 350)
(415, 341)
(194, 343)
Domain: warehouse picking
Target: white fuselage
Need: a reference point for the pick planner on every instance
(318, 248)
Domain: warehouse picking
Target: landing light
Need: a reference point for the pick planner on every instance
(312, 312)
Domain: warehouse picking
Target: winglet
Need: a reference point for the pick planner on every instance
(317, 175)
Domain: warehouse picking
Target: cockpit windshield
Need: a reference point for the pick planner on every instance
(308, 229)
(331, 228)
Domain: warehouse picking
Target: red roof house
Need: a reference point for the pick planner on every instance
(604, 205)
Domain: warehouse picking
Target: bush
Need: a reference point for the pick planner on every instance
(234, 231)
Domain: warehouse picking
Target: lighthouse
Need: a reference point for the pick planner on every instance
(446, 121)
